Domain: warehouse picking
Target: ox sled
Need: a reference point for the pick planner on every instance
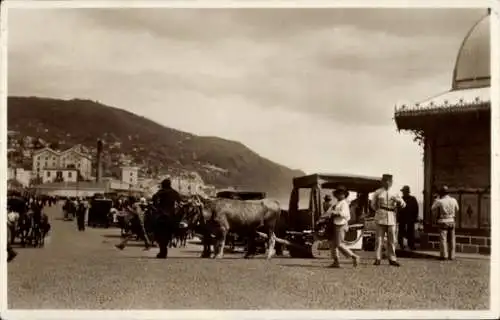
(242, 213)
(29, 224)
(309, 229)
(40, 226)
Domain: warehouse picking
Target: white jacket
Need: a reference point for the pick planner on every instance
(385, 204)
(341, 213)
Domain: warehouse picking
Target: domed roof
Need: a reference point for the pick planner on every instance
(472, 68)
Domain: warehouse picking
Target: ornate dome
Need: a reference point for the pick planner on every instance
(472, 68)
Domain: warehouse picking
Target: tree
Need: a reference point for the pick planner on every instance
(54, 145)
(38, 145)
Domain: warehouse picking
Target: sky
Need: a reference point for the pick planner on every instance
(312, 89)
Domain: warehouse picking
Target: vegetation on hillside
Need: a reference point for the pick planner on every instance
(155, 148)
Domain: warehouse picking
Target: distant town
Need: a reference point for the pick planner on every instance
(77, 171)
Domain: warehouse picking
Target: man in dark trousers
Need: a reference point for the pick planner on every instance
(407, 218)
(165, 202)
(81, 210)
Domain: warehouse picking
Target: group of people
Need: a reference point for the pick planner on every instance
(392, 210)
(164, 204)
(132, 212)
(25, 216)
(77, 207)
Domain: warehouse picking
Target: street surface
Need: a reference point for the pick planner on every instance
(83, 270)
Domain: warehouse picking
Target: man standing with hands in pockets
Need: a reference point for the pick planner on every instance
(445, 209)
(385, 203)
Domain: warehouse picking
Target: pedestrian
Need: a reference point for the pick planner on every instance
(407, 218)
(341, 215)
(66, 209)
(136, 214)
(165, 202)
(81, 210)
(385, 204)
(445, 209)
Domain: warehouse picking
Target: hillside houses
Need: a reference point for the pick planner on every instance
(34, 162)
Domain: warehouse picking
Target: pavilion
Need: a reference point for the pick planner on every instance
(454, 130)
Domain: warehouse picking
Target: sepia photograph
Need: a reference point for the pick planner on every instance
(247, 158)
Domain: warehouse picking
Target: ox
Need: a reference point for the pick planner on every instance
(243, 217)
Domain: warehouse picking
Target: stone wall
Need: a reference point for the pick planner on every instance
(464, 244)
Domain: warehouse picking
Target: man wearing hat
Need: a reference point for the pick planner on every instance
(407, 217)
(341, 215)
(445, 209)
(165, 202)
(385, 203)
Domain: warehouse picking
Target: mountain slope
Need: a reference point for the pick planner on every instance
(152, 146)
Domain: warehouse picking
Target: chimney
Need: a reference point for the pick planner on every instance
(99, 161)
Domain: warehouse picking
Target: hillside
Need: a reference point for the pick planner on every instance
(150, 145)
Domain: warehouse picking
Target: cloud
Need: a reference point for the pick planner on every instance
(310, 88)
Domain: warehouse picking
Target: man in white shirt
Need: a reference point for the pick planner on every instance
(385, 203)
(445, 209)
(341, 215)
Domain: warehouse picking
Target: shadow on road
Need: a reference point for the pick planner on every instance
(154, 258)
(28, 246)
(226, 251)
(116, 236)
(294, 265)
(416, 255)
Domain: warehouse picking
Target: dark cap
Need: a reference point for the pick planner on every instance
(443, 190)
(387, 177)
(166, 183)
(405, 188)
(341, 190)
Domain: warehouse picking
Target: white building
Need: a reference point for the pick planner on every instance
(11, 173)
(59, 175)
(19, 174)
(188, 183)
(52, 160)
(130, 175)
(23, 176)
